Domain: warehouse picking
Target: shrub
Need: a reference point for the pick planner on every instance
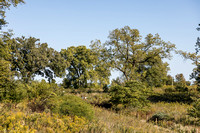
(40, 122)
(195, 110)
(169, 89)
(43, 96)
(15, 92)
(75, 106)
(181, 88)
(181, 97)
(133, 94)
(160, 117)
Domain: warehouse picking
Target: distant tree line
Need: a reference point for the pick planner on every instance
(81, 67)
(84, 67)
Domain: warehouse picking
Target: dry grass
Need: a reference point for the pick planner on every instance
(111, 122)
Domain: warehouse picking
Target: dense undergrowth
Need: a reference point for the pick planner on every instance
(44, 107)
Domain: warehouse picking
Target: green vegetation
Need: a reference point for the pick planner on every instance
(143, 99)
(85, 69)
(75, 106)
(138, 60)
(19, 121)
(30, 58)
(133, 94)
(195, 110)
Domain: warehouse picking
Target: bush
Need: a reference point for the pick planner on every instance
(160, 117)
(133, 94)
(43, 95)
(169, 89)
(195, 110)
(15, 92)
(181, 88)
(75, 106)
(40, 122)
(181, 97)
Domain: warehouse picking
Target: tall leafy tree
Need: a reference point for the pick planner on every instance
(136, 59)
(155, 74)
(169, 80)
(81, 69)
(102, 66)
(4, 5)
(180, 80)
(30, 58)
(86, 68)
(56, 65)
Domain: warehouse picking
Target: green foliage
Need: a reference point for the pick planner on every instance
(39, 122)
(6, 76)
(30, 58)
(85, 69)
(40, 94)
(133, 94)
(180, 82)
(156, 75)
(17, 92)
(105, 88)
(169, 89)
(169, 80)
(98, 99)
(37, 92)
(138, 60)
(173, 96)
(160, 116)
(102, 66)
(196, 71)
(75, 106)
(118, 81)
(81, 66)
(195, 110)
(181, 88)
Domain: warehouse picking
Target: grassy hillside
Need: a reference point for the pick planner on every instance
(157, 117)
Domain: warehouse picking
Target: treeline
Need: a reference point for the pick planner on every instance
(84, 67)
(137, 58)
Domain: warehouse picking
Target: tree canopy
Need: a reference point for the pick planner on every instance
(137, 59)
(30, 58)
(85, 68)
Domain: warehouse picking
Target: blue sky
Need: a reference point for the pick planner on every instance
(63, 23)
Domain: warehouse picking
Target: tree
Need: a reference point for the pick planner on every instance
(86, 68)
(136, 59)
(155, 75)
(56, 65)
(4, 5)
(118, 81)
(180, 83)
(196, 72)
(180, 80)
(81, 69)
(102, 66)
(169, 80)
(30, 58)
